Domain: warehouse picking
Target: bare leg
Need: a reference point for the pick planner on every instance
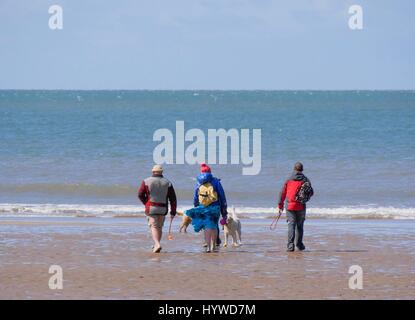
(208, 240)
(156, 231)
(214, 238)
(210, 237)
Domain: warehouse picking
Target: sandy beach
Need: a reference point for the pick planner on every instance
(110, 258)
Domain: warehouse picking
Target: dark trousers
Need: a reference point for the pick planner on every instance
(295, 221)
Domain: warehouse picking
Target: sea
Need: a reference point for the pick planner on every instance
(85, 153)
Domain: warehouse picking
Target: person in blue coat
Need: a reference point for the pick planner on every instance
(209, 204)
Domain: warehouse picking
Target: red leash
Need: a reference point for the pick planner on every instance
(273, 225)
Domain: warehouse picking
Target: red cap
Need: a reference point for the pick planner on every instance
(204, 168)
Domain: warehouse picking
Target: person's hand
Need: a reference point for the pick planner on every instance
(280, 211)
(224, 221)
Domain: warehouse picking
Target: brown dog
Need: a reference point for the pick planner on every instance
(186, 221)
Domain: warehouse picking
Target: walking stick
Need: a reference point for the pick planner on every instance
(275, 221)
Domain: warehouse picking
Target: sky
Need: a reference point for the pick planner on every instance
(209, 44)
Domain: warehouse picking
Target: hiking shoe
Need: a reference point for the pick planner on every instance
(290, 249)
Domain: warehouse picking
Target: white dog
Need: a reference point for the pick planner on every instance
(233, 228)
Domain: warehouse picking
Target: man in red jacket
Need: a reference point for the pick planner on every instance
(155, 193)
(295, 210)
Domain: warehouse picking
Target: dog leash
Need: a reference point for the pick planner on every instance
(274, 222)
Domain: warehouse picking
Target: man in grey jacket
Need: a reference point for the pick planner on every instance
(155, 193)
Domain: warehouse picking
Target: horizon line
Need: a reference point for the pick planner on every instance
(38, 89)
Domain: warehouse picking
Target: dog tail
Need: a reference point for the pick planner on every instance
(234, 216)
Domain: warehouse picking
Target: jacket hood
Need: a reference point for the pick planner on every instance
(204, 177)
(298, 176)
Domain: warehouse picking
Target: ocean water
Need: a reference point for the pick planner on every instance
(75, 153)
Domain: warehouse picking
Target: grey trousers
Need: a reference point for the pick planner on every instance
(295, 221)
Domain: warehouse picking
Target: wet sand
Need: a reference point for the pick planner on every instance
(110, 258)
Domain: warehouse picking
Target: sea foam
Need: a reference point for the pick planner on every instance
(244, 212)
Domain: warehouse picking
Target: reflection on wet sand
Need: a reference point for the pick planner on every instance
(111, 258)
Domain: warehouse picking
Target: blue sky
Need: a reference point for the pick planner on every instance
(210, 44)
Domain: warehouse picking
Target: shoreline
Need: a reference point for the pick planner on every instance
(65, 210)
(111, 259)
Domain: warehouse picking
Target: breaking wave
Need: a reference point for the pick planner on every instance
(87, 210)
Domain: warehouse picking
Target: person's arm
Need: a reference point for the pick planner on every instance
(142, 193)
(196, 196)
(282, 196)
(312, 190)
(222, 199)
(171, 196)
